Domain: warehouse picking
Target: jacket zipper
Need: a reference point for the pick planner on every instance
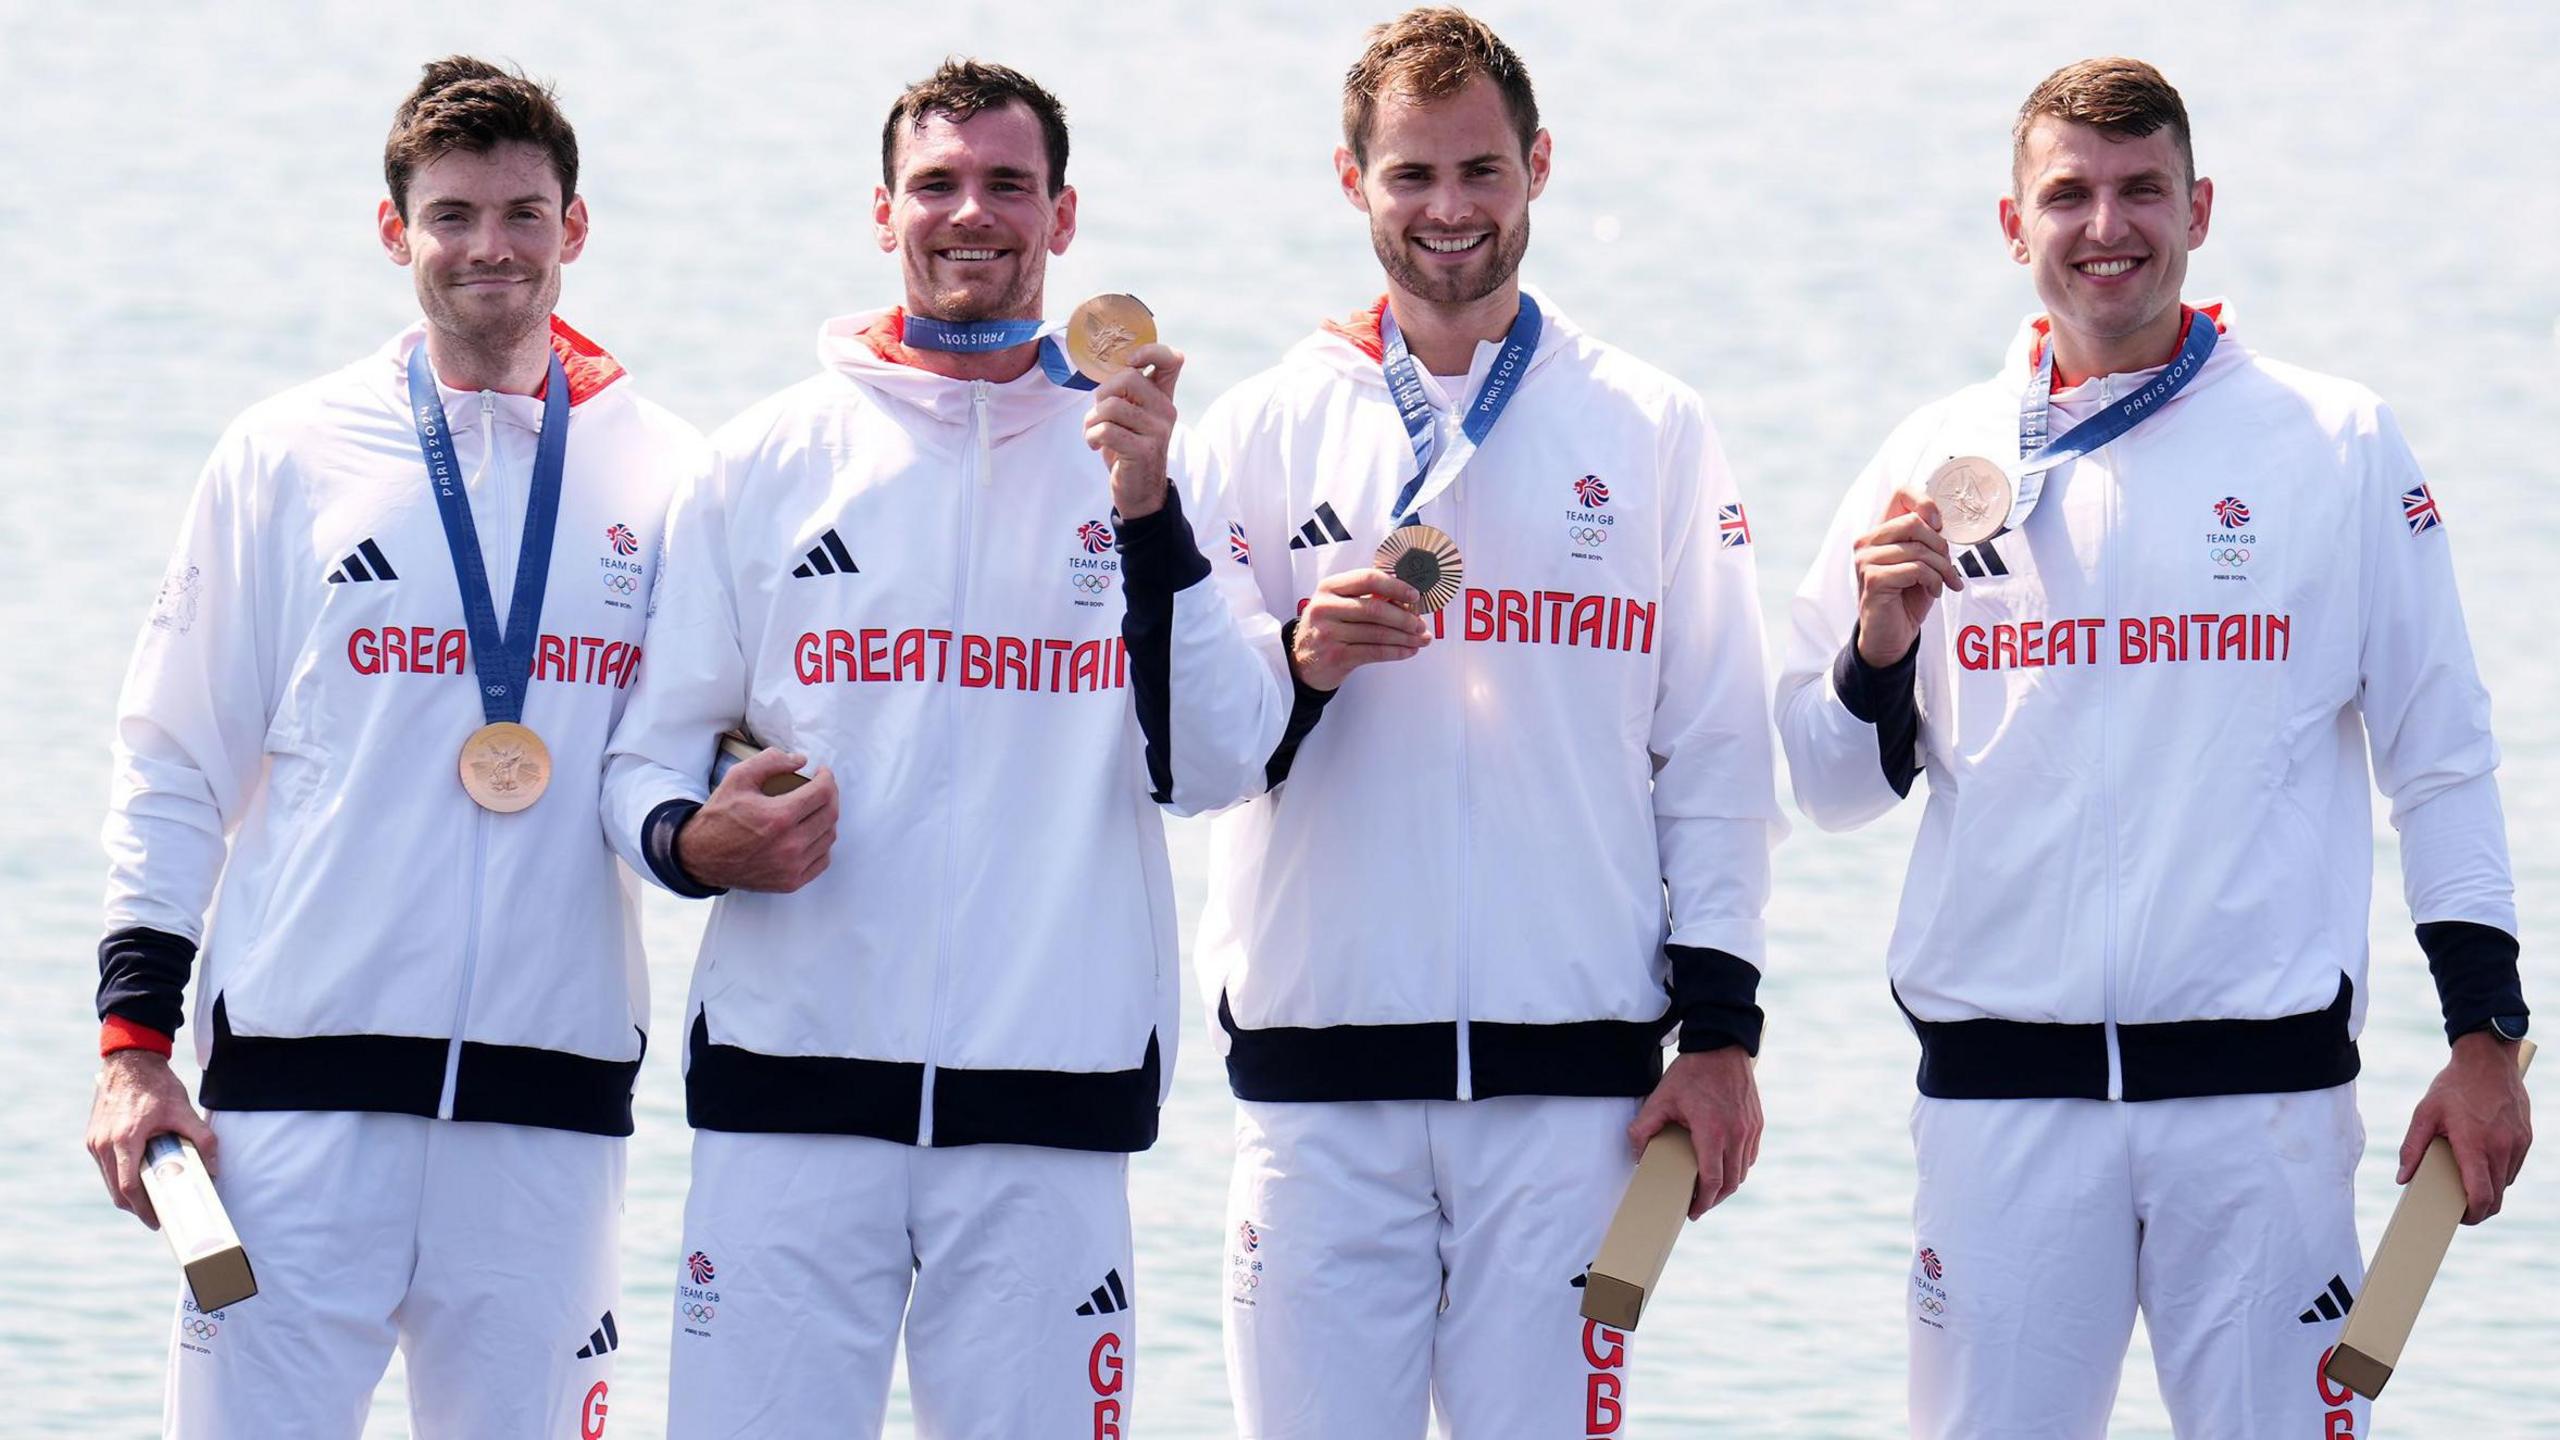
(479, 821)
(980, 473)
(1466, 898)
(2106, 760)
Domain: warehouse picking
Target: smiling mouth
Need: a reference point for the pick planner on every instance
(972, 256)
(2110, 268)
(1451, 244)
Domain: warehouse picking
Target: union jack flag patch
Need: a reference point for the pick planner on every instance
(2418, 507)
(1732, 530)
(1239, 549)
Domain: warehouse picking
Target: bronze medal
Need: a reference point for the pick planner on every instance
(505, 767)
(1425, 559)
(1974, 496)
(1103, 330)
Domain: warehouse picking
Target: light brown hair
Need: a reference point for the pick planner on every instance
(1428, 54)
(461, 103)
(961, 88)
(2117, 97)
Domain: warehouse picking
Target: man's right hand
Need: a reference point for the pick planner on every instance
(744, 839)
(1903, 564)
(1356, 618)
(139, 1097)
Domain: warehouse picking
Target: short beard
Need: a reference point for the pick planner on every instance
(1020, 300)
(1464, 287)
(493, 340)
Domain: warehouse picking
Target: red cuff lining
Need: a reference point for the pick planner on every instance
(118, 1033)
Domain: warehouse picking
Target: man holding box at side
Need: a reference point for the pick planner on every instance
(1517, 838)
(2141, 607)
(403, 617)
(951, 575)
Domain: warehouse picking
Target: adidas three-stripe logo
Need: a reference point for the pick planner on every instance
(828, 557)
(1981, 562)
(2332, 1304)
(604, 1341)
(1108, 1297)
(1324, 529)
(365, 563)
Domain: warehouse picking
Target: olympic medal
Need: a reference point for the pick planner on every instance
(1103, 330)
(1974, 496)
(1425, 559)
(505, 767)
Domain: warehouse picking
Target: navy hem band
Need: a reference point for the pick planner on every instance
(1992, 1059)
(142, 977)
(2475, 971)
(731, 1088)
(404, 1075)
(658, 847)
(1887, 699)
(1420, 1061)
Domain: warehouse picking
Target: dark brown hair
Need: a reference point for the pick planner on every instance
(1428, 54)
(961, 88)
(2120, 98)
(466, 104)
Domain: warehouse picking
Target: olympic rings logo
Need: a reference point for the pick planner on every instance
(1092, 584)
(2236, 555)
(621, 584)
(1588, 535)
(201, 1329)
(700, 1314)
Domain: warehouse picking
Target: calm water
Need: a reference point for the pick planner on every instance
(1792, 211)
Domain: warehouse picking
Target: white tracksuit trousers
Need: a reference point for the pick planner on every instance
(1386, 1256)
(1009, 1266)
(2042, 1224)
(486, 1253)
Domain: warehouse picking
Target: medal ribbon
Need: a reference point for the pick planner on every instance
(2036, 456)
(1436, 466)
(504, 659)
(984, 337)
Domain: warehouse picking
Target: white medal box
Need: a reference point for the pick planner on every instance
(192, 1218)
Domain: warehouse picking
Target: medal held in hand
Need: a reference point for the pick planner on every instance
(1103, 330)
(1974, 496)
(504, 766)
(1427, 560)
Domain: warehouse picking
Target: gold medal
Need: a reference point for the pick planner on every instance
(1425, 559)
(1974, 496)
(1103, 330)
(505, 767)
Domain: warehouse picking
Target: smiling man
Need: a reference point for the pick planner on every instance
(2144, 646)
(937, 1007)
(421, 1007)
(1511, 846)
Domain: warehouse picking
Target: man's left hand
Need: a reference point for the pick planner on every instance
(1131, 423)
(2478, 1105)
(1711, 1094)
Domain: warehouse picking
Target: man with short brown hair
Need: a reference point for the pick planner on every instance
(1443, 1069)
(936, 1011)
(403, 616)
(2143, 607)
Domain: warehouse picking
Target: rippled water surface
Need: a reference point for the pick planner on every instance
(1790, 207)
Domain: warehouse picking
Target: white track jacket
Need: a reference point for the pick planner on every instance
(2145, 864)
(920, 583)
(301, 693)
(1515, 862)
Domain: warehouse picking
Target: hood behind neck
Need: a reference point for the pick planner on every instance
(868, 348)
(1355, 344)
(2026, 349)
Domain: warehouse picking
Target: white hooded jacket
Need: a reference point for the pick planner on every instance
(300, 696)
(2144, 867)
(919, 582)
(1515, 862)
